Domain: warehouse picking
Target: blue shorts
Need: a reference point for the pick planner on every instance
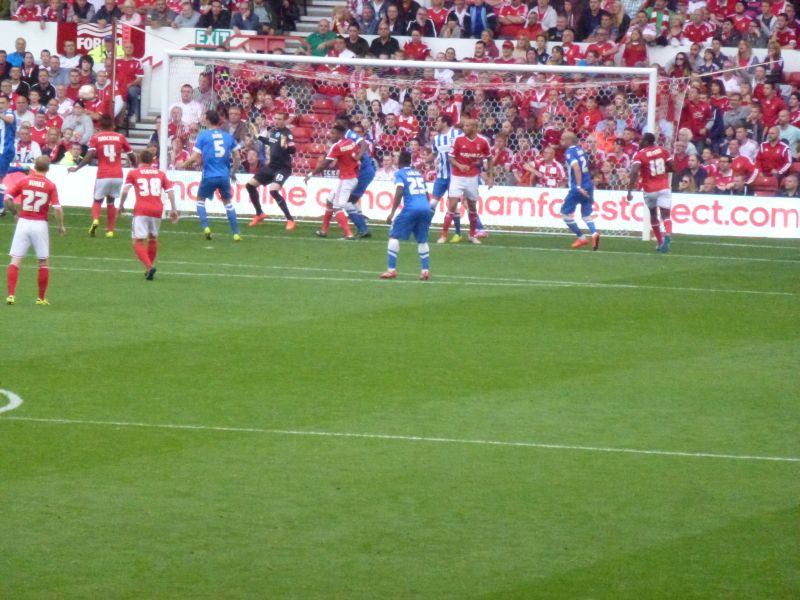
(574, 198)
(440, 187)
(208, 186)
(365, 176)
(416, 221)
(6, 158)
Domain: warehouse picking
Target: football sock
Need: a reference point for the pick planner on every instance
(479, 222)
(424, 255)
(473, 222)
(276, 195)
(201, 212)
(13, 275)
(448, 220)
(142, 254)
(326, 220)
(668, 226)
(457, 223)
(152, 250)
(394, 249)
(252, 191)
(358, 220)
(96, 208)
(573, 226)
(230, 212)
(44, 277)
(111, 211)
(657, 232)
(590, 223)
(341, 219)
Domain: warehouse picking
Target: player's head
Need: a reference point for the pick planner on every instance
(344, 122)
(336, 132)
(470, 127)
(145, 157)
(648, 139)
(404, 159)
(281, 119)
(213, 118)
(568, 138)
(106, 122)
(445, 122)
(42, 164)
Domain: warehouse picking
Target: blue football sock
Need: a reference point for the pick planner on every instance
(230, 212)
(573, 226)
(424, 255)
(394, 248)
(201, 212)
(478, 222)
(358, 220)
(590, 224)
(457, 223)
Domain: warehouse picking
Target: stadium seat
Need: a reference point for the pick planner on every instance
(795, 168)
(764, 194)
(302, 134)
(323, 105)
(793, 79)
(763, 183)
(309, 148)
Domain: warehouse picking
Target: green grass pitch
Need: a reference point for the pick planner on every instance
(164, 445)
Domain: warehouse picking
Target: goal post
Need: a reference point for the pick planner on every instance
(540, 99)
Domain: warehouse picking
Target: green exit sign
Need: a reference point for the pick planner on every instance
(216, 38)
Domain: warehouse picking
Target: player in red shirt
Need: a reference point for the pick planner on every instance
(149, 183)
(774, 157)
(347, 155)
(108, 146)
(36, 195)
(654, 164)
(466, 157)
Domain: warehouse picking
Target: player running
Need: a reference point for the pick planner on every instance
(37, 194)
(219, 152)
(347, 155)
(280, 149)
(654, 164)
(466, 157)
(366, 173)
(108, 147)
(581, 191)
(149, 183)
(414, 218)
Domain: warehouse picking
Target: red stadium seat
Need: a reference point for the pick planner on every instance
(795, 168)
(302, 134)
(765, 194)
(323, 105)
(793, 79)
(311, 148)
(763, 183)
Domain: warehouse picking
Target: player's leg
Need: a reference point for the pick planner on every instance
(111, 213)
(422, 225)
(20, 244)
(365, 177)
(225, 193)
(263, 177)
(471, 193)
(453, 200)
(12, 276)
(587, 210)
(344, 190)
(275, 189)
(650, 201)
(97, 205)
(40, 240)
(401, 229)
(568, 215)
(665, 207)
(326, 218)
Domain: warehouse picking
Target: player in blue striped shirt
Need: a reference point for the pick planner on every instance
(581, 191)
(414, 218)
(366, 174)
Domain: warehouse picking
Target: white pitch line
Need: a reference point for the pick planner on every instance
(481, 282)
(408, 438)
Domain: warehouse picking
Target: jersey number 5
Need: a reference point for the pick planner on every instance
(219, 148)
(33, 201)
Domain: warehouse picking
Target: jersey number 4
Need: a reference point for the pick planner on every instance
(149, 187)
(110, 152)
(33, 201)
(658, 167)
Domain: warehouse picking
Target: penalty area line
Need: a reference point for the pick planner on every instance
(407, 438)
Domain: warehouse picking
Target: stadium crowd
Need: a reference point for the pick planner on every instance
(731, 118)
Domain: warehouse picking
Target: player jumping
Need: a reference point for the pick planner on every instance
(108, 146)
(654, 163)
(149, 183)
(37, 194)
(581, 191)
(366, 173)
(414, 218)
(347, 155)
(280, 149)
(219, 152)
(466, 157)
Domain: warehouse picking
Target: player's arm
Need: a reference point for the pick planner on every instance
(578, 174)
(288, 144)
(8, 118)
(193, 159)
(634, 178)
(84, 161)
(456, 164)
(323, 164)
(132, 159)
(59, 213)
(236, 161)
(10, 206)
(123, 196)
(398, 197)
(173, 210)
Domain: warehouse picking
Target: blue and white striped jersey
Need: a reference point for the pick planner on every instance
(442, 144)
(8, 132)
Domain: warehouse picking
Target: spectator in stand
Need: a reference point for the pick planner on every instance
(766, 20)
(709, 186)
(556, 33)
(58, 75)
(355, 43)
(129, 77)
(790, 186)
(422, 23)
(740, 186)
(161, 16)
(606, 49)
(80, 123)
(384, 44)
(511, 18)
(774, 158)
(245, 19)
(44, 87)
(438, 14)
(774, 63)
(789, 134)
(416, 49)
(686, 184)
(64, 102)
(192, 111)
(187, 18)
(451, 28)
(389, 106)
(80, 11)
(131, 16)
(288, 13)
(238, 127)
(216, 18)
(321, 41)
(107, 13)
(635, 52)
(16, 58)
(728, 35)
(461, 11)
(18, 86)
(590, 20)
(397, 26)
(29, 72)
(481, 17)
(367, 20)
(694, 170)
(268, 19)
(27, 11)
(741, 164)
(783, 34)
(698, 30)
(5, 66)
(339, 20)
(545, 14)
(755, 36)
(26, 149)
(619, 22)
(771, 105)
(408, 9)
(70, 58)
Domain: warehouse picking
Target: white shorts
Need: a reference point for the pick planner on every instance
(340, 195)
(464, 186)
(144, 227)
(107, 187)
(661, 199)
(30, 233)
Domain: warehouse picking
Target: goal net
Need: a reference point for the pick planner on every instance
(521, 109)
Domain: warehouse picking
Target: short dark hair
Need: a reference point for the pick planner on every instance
(447, 120)
(404, 159)
(339, 128)
(106, 122)
(145, 157)
(213, 117)
(648, 139)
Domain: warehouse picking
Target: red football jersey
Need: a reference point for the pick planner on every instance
(57, 121)
(653, 169)
(408, 126)
(109, 147)
(742, 165)
(36, 193)
(149, 184)
(344, 153)
(470, 153)
(550, 175)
